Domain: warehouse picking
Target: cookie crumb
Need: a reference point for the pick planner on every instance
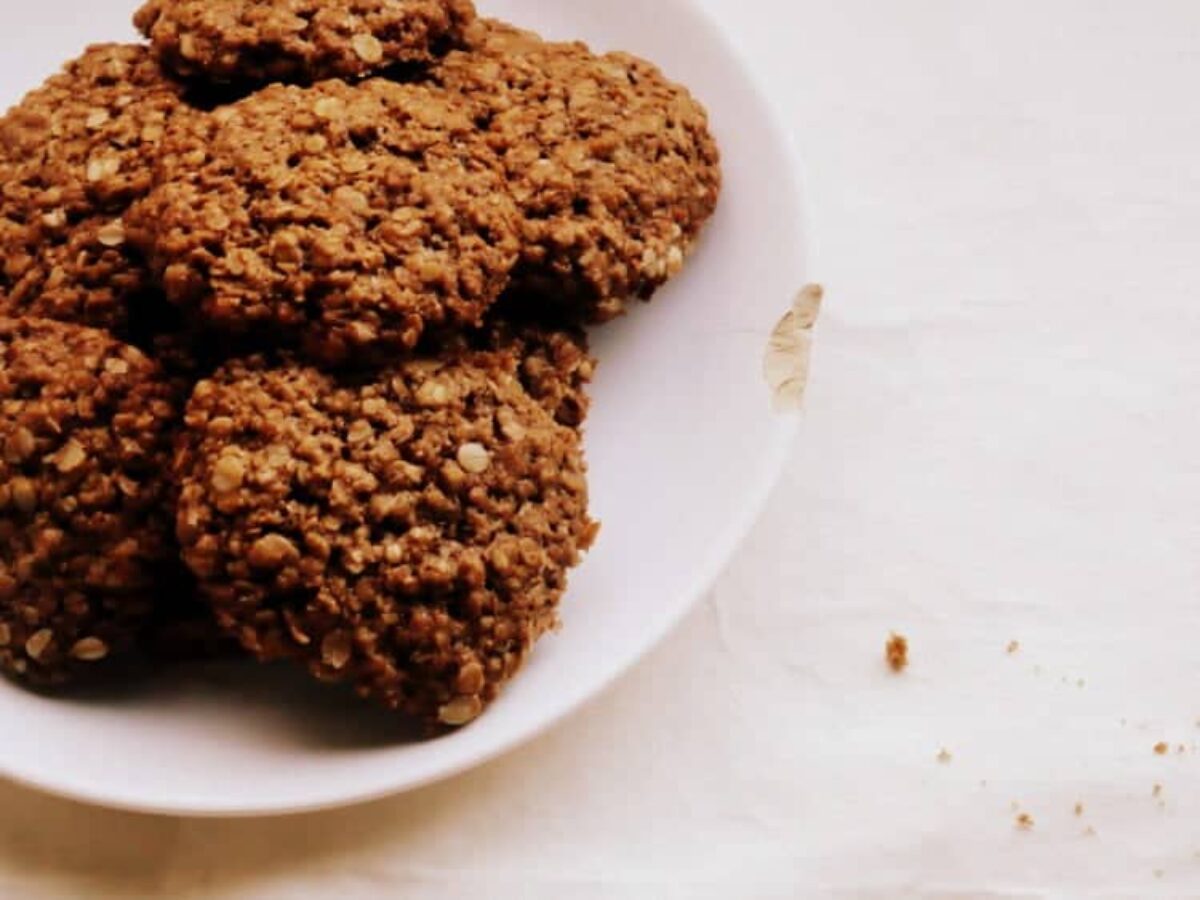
(1078, 809)
(1162, 748)
(897, 652)
(945, 757)
(1025, 822)
(1014, 647)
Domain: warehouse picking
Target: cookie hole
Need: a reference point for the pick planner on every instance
(29, 390)
(364, 139)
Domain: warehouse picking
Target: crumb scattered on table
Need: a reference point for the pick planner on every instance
(1078, 809)
(1014, 647)
(1025, 822)
(897, 652)
(945, 757)
(1162, 748)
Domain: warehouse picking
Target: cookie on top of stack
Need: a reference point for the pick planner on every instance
(292, 358)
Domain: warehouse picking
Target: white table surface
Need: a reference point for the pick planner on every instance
(1001, 444)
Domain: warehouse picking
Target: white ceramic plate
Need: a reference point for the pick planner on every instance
(683, 450)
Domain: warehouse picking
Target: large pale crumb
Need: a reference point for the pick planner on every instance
(789, 350)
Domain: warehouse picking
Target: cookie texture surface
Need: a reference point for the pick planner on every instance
(341, 217)
(614, 166)
(73, 155)
(298, 40)
(409, 532)
(553, 362)
(86, 426)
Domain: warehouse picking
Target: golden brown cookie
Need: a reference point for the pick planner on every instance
(348, 218)
(408, 532)
(298, 40)
(86, 425)
(73, 155)
(613, 165)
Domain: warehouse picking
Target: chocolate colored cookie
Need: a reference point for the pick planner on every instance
(348, 218)
(86, 425)
(408, 532)
(613, 165)
(298, 40)
(73, 155)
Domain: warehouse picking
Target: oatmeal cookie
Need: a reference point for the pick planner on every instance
(86, 426)
(73, 155)
(344, 217)
(408, 532)
(614, 166)
(298, 40)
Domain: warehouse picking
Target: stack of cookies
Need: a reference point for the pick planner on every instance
(292, 347)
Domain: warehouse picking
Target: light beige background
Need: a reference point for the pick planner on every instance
(1001, 444)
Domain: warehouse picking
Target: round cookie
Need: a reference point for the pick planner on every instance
(614, 166)
(86, 426)
(408, 532)
(73, 155)
(298, 40)
(346, 217)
